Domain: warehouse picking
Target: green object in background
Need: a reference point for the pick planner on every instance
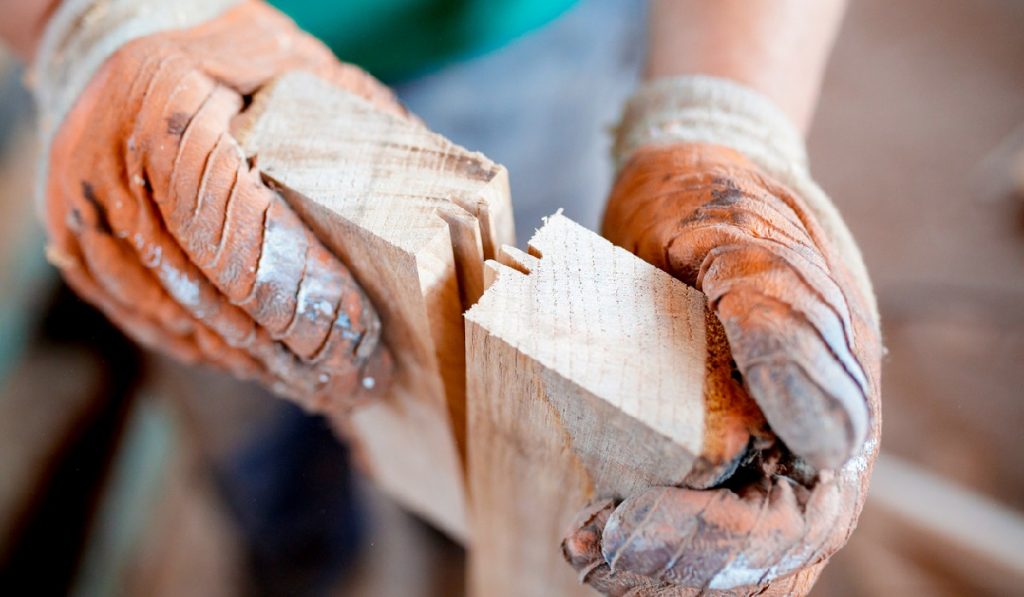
(398, 38)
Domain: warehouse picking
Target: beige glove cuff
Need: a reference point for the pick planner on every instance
(81, 35)
(702, 109)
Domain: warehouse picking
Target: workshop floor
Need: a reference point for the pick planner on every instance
(920, 141)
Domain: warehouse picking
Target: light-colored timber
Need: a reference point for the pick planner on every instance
(413, 216)
(588, 378)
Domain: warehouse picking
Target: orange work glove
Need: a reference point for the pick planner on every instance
(714, 190)
(155, 215)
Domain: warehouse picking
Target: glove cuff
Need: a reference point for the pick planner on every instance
(82, 34)
(703, 109)
(78, 39)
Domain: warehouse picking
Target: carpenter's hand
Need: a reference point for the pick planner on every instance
(804, 336)
(156, 216)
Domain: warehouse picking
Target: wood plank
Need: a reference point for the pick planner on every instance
(589, 375)
(50, 396)
(414, 216)
(982, 535)
(161, 526)
(924, 534)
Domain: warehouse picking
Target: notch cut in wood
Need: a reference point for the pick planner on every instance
(414, 216)
(591, 374)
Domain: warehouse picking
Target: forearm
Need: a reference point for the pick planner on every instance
(22, 22)
(777, 47)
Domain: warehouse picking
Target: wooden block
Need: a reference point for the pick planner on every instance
(414, 217)
(589, 375)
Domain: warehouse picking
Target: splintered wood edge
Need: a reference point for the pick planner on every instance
(430, 232)
(476, 216)
(433, 205)
(647, 361)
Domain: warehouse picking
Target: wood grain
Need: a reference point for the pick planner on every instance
(413, 216)
(586, 379)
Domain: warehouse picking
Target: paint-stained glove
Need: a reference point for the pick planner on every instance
(156, 216)
(713, 187)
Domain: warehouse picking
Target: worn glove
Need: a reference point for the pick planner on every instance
(714, 189)
(155, 215)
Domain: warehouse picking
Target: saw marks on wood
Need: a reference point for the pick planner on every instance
(414, 216)
(586, 371)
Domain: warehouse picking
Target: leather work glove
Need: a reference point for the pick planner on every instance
(155, 215)
(713, 188)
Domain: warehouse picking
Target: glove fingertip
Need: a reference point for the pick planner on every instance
(643, 534)
(824, 429)
(582, 544)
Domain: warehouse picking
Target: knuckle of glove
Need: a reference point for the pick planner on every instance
(156, 216)
(798, 330)
(757, 540)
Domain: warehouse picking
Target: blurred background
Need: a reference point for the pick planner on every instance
(124, 473)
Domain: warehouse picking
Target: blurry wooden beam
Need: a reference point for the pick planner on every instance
(972, 532)
(44, 405)
(161, 528)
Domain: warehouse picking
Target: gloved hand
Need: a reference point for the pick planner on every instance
(714, 189)
(155, 215)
